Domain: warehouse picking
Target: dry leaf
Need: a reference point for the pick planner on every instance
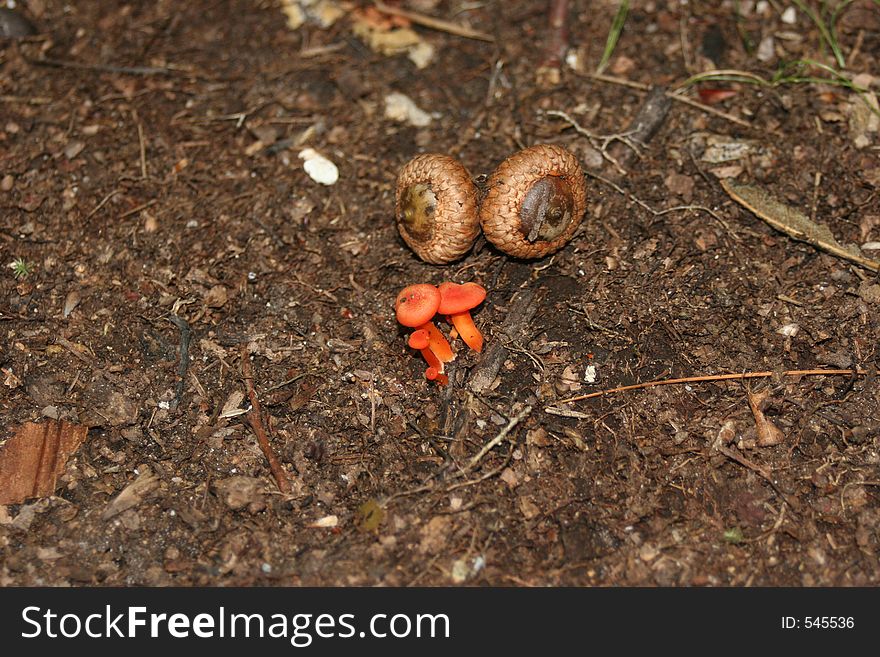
(324, 523)
(768, 433)
(71, 301)
(792, 222)
(133, 494)
(34, 457)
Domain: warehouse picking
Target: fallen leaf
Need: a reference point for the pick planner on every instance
(369, 516)
(792, 222)
(133, 494)
(238, 492)
(768, 433)
(324, 523)
(34, 457)
(714, 96)
(71, 301)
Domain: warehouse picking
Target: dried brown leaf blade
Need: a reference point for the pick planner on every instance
(34, 457)
(132, 495)
(792, 222)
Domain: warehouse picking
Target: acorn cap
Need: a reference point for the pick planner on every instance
(535, 201)
(417, 304)
(436, 208)
(455, 298)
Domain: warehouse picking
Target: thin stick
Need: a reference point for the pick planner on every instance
(255, 418)
(715, 377)
(671, 94)
(142, 206)
(143, 150)
(706, 108)
(434, 23)
(499, 438)
(185, 338)
(103, 202)
(100, 68)
(557, 34)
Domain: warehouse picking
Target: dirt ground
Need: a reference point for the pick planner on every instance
(153, 196)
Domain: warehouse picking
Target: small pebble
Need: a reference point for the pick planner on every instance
(7, 183)
(13, 25)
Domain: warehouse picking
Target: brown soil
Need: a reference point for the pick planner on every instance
(139, 197)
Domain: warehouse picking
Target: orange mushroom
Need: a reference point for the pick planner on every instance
(420, 340)
(415, 306)
(455, 302)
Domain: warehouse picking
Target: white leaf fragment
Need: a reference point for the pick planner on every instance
(326, 521)
(319, 168)
(789, 330)
(401, 108)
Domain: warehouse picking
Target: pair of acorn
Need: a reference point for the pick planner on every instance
(533, 204)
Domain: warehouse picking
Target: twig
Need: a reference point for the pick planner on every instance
(255, 418)
(143, 150)
(646, 123)
(434, 23)
(100, 68)
(674, 95)
(746, 463)
(185, 337)
(524, 413)
(594, 139)
(103, 203)
(714, 377)
(522, 309)
(557, 34)
(142, 206)
(656, 213)
(692, 103)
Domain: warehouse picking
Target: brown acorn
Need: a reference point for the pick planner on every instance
(436, 208)
(535, 200)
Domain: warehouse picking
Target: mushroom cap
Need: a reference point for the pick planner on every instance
(455, 298)
(544, 180)
(417, 304)
(436, 208)
(419, 339)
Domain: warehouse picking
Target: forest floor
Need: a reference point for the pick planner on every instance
(159, 224)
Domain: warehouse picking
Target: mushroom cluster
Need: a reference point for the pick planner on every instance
(535, 200)
(417, 305)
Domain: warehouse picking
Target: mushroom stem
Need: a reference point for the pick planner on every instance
(438, 344)
(467, 330)
(431, 359)
(420, 340)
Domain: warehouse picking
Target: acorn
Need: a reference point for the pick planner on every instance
(436, 208)
(535, 201)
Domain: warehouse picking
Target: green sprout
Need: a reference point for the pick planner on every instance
(21, 268)
(613, 35)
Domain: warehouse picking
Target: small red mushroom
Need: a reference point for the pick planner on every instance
(415, 306)
(420, 340)
(455, 302)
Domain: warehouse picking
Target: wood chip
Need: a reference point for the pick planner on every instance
(34, 457)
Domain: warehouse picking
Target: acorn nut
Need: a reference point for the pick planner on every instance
(436, 208)
(535, 201)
